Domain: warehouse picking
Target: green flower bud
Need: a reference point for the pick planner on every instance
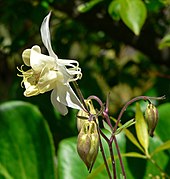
(88, 143)
(82, 116)
(151, 117)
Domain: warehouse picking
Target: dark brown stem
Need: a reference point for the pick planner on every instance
(145, 98)
(102, 151)
(79, 93)
(120, 158)
(112, 160)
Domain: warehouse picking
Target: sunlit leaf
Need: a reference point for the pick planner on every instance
(164, 146)
(165, 42)
(141, 128)
(4, 172)
(26, 147)
(133, 13)
(114, 8)
(88, 5)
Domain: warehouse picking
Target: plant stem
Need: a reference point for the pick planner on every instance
(145, 98)
(120, 158)
(159, 168)
(112, 160)
(79, 93)
(102, 151)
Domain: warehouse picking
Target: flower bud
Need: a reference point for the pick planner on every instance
(82, 115)
(151, 117)
(88, 143)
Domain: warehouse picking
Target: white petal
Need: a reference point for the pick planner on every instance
(38, 61)
(63, 96)
(26, 56)
(57, 105)
(66, 96)
(45, 35)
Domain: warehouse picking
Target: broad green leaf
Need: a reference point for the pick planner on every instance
(141, 128)
(26, 147)
(165, 42)
(162, 128)
(4, 172)
(70, 165)
(88, 5)
(164, 146)
(133, 13)
(114, 8)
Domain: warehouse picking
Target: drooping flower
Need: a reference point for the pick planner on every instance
(50, 73)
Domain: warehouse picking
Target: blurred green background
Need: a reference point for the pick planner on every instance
(112, 58)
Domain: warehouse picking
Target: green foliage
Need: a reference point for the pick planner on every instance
(133, 13)
(165, 42)
(123, 49)
(69, 162)
(27, 149)
(88, 5)
(141, 128)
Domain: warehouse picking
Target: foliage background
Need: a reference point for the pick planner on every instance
(113, 59)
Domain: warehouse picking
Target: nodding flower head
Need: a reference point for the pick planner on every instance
(48, 72)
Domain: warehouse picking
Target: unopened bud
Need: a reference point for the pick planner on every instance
(82, 116)
(88, 143)
(151, 117)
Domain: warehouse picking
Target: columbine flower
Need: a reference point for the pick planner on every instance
(50, 73)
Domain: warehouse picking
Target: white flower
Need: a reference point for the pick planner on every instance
(50, 73)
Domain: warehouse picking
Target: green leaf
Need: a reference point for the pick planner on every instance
(131, 137)
(133, 13)
(165, 42)
(106, 126)
(134, 154)
(70, 165)
(164, 146)
(88, 5)
(114, 10)
(4, 172)
(124, 126)
(26, 147)
(162, 128)
(141, 128)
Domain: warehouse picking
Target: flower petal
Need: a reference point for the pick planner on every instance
(45, 35)
(57, 105)
(66, 96)
(48, 79)
(26, 56)
(38, 61)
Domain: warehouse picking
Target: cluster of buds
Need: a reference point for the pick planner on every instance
(88, 137)
(151, 117)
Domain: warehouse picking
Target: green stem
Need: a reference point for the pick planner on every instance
(158, 167)
(79, 93)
